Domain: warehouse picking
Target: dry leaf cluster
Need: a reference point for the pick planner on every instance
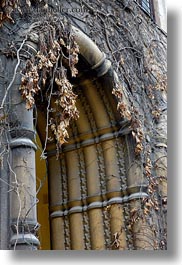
(122, 106)
(137, 131)
(156, 114)
(56, 47)
(116, 241)
(8, 6)
(161, 84)
(29, 84)
(154, 66)
(65, 105)
(6, 9)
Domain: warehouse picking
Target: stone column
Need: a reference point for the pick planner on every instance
(94, 198)
(74, 194)
(114, 193)
(55, 199)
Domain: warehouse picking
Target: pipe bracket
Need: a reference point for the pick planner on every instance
(24, 239)
(22, 142)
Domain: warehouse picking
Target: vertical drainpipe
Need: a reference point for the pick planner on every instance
(4, 172)
(160, 166)
(23, 214)
(143, 236)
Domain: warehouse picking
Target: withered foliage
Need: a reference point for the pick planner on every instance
(46, 69)
(6, 9)
(29, 84)
(122, 106)
(8, 6)
(65, 105)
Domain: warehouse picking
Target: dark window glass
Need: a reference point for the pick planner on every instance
(147, 6)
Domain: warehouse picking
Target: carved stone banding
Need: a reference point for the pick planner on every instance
(87, 142)
(98, 204)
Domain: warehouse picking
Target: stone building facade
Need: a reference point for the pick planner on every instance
(101, 182)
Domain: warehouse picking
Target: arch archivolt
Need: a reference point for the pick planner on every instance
(89, 186)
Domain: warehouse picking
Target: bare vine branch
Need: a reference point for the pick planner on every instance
(14, 74)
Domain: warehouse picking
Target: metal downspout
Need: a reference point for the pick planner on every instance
(23, 212)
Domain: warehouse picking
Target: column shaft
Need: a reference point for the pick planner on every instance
(96, 229)
(76, 231)
(57, 233)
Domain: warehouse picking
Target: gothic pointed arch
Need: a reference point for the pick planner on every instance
(92, 186)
